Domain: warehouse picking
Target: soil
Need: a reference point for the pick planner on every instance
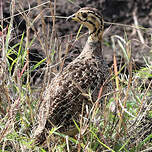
(114, 11)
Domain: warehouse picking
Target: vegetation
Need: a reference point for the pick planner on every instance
(124, 123)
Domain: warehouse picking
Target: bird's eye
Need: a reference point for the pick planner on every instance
(84, 15)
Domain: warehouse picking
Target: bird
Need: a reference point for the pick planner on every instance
(67, 92)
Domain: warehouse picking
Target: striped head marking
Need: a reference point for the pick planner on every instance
(91, 18)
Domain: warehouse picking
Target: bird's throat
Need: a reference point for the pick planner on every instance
(95, 34)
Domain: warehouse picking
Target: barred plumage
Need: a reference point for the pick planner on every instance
(63, 99)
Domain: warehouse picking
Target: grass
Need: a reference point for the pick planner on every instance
(127, 129)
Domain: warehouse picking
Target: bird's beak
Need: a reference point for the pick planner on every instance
(71, 17)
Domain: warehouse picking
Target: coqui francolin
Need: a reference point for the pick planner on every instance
(65, 95)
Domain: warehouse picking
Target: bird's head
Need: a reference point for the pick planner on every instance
(91, 18)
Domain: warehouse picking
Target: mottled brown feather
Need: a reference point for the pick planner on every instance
(65, 95)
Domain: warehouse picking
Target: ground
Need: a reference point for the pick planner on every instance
(114, 11)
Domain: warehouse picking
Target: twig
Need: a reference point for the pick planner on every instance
(137, 25)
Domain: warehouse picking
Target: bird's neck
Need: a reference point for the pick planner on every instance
(95, 34)
(92, 49)
(93, 45)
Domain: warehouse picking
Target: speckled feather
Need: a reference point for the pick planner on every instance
(63, 99)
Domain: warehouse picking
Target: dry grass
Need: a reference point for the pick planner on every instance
(124, 124)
